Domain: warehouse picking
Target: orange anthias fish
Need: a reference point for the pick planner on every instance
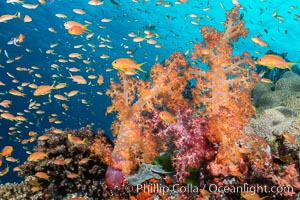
(77, 30)
(274, 61)
(259, 41)
(8, 116)
(6, 151)
(43, 90)
(21, 38)
(42, 175)
(4, 171)
(167, 117)
(36, 156)
(70, 24)
(75, 140)
(127, 66)
(5, 18)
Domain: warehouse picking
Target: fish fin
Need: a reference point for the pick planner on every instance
(49, 98)
(290, 64)
(139, 67)
(70, 75)
(85, 141)
(18, 15)
(86, 29)
(53, 84)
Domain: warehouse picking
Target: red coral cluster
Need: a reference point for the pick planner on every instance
(189, 137)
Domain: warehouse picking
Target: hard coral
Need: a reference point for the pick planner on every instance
(70, 164)
(285, 92)
(19, 191)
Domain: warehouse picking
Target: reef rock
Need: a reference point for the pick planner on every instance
(280, 126)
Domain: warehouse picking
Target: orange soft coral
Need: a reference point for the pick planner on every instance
(221, 94)
(224, 90)
(132, 99)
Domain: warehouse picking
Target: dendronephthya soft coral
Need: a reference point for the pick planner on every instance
(220, 100)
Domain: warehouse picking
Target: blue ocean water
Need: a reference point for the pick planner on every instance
(174, 28)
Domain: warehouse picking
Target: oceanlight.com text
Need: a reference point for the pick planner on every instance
(212, 188)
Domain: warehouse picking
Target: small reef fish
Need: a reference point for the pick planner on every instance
(77, 30)
(78, 79)
(72, 175)
(7, 151)
(127, 66)
(5, 103)
(27, 19)
(36, 156)
(16, 93)
(42, 175)
(43, 90)
(289, 138)
(259, 41)
(167, 117)
(12, 159)
(75, 140)
(4, 171)
(70, 24)
(8, 116)
(266, 80)
(274, 61)
(95, 2)
(5, 18)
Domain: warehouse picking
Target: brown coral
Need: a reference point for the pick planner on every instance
(71, 167)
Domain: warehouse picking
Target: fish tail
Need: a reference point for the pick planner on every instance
(290, 64)
(139, 67)
(53, 84)
(85, 26)
(18, 15)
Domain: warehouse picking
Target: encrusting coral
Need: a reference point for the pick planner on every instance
(67, 162)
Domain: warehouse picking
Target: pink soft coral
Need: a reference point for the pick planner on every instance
(189, 137)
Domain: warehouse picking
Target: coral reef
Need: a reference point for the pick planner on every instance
(220, 98)
(285, 92)
(199, 117)
(280, 127)
(19, 191)
(65, 163)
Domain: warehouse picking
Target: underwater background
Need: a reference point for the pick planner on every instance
(42, 57)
